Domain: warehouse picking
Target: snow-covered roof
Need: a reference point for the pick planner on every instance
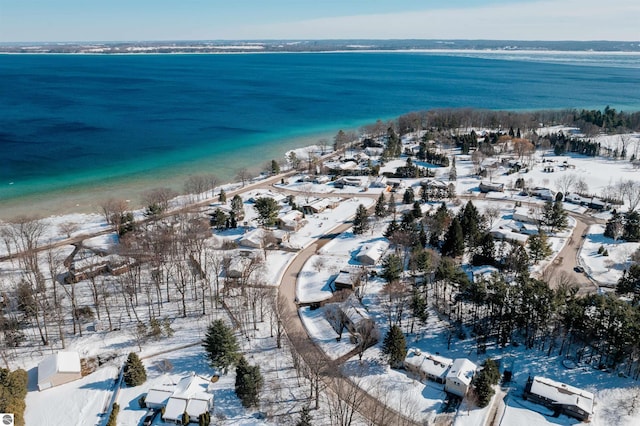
(157, 396)
(562, 393)
(191, 396)
(370, 253)
(62, 362)
(463, 370)
(433, 365)
(354, 311)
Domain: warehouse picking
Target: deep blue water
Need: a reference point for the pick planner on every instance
(76, 120)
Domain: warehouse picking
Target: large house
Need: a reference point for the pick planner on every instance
(192, 396)
(459, 376)
(560, 397)
(427, 366)
(57, 369)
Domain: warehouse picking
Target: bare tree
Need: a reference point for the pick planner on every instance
(565, 182)
(113, 209)
(68, 228)
(630, 189)
(158, 198)
(243, 175)
(491, 214)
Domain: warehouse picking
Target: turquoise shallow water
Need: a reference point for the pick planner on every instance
(72, 123)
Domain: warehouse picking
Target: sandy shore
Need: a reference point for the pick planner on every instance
(87, 198)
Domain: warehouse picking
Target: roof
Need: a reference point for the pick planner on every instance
(372, 252)
(62, 362)
(431, 364)
(353, 309)
(463, 370)
(562, 393)
(191, 396)
(158, 396)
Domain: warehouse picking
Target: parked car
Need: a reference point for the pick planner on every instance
(579, 269)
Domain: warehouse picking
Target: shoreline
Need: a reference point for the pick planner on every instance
(85, 198)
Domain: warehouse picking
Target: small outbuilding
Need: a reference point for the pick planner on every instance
(58, 369)
(458, 380)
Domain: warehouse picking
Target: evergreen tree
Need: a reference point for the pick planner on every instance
(408, 197)
(484, 382)
(248, 383)
(268, 209)
(392, 268)
(361, 220)
(422, 236)
(453, 174)
(630, 281)
(632, 226)
(453, 245)
(305, 417)
(554, 216)
(221, 345)
(395, 347)
(275, 167)
(381, 210)
(486, 253)
(113, 416)
(13, 391)
(470, 222)
(237, 206)
(134, 371)
(416, 210)
(615, 226)
(391, 229)
(539, 247)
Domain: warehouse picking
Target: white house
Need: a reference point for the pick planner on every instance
(560, 397)
(371, 253)
(524, 215)
(459, 377)
(293, 220)
(427, 366)
(191, 396)
(57, 369)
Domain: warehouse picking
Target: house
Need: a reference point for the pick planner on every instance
(258, 237)
(291, 221)
(356, 318)
(524, 215)
(508, 235)
(379, 182)
(347, 279)
(543, 193)
(459, 376)
(238, 266)
(192, 396)
(320, 205)
(371, 253)
(491, 187)
(58, 369)
(560, 397)
(427, 366)
(435, 189)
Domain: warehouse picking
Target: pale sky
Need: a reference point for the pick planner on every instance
(133, 20)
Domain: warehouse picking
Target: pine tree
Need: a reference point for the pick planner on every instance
(615, 226)
(221, 346)
(134, 372)
(381, 210)
(222, 197)
(248, 383)
(361, 220)
(275, 167)
(395, 346)
(267, 209)
(453, 245)
(408, 197)
(416, 210)
(453, 174)
(392, 268)
(391, 229)
(539, 247)
(470, 222)
(305, 417)
(237, 206)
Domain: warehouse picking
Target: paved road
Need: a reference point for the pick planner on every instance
(366, 405)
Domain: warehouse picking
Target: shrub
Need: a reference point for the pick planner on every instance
(113, 416)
